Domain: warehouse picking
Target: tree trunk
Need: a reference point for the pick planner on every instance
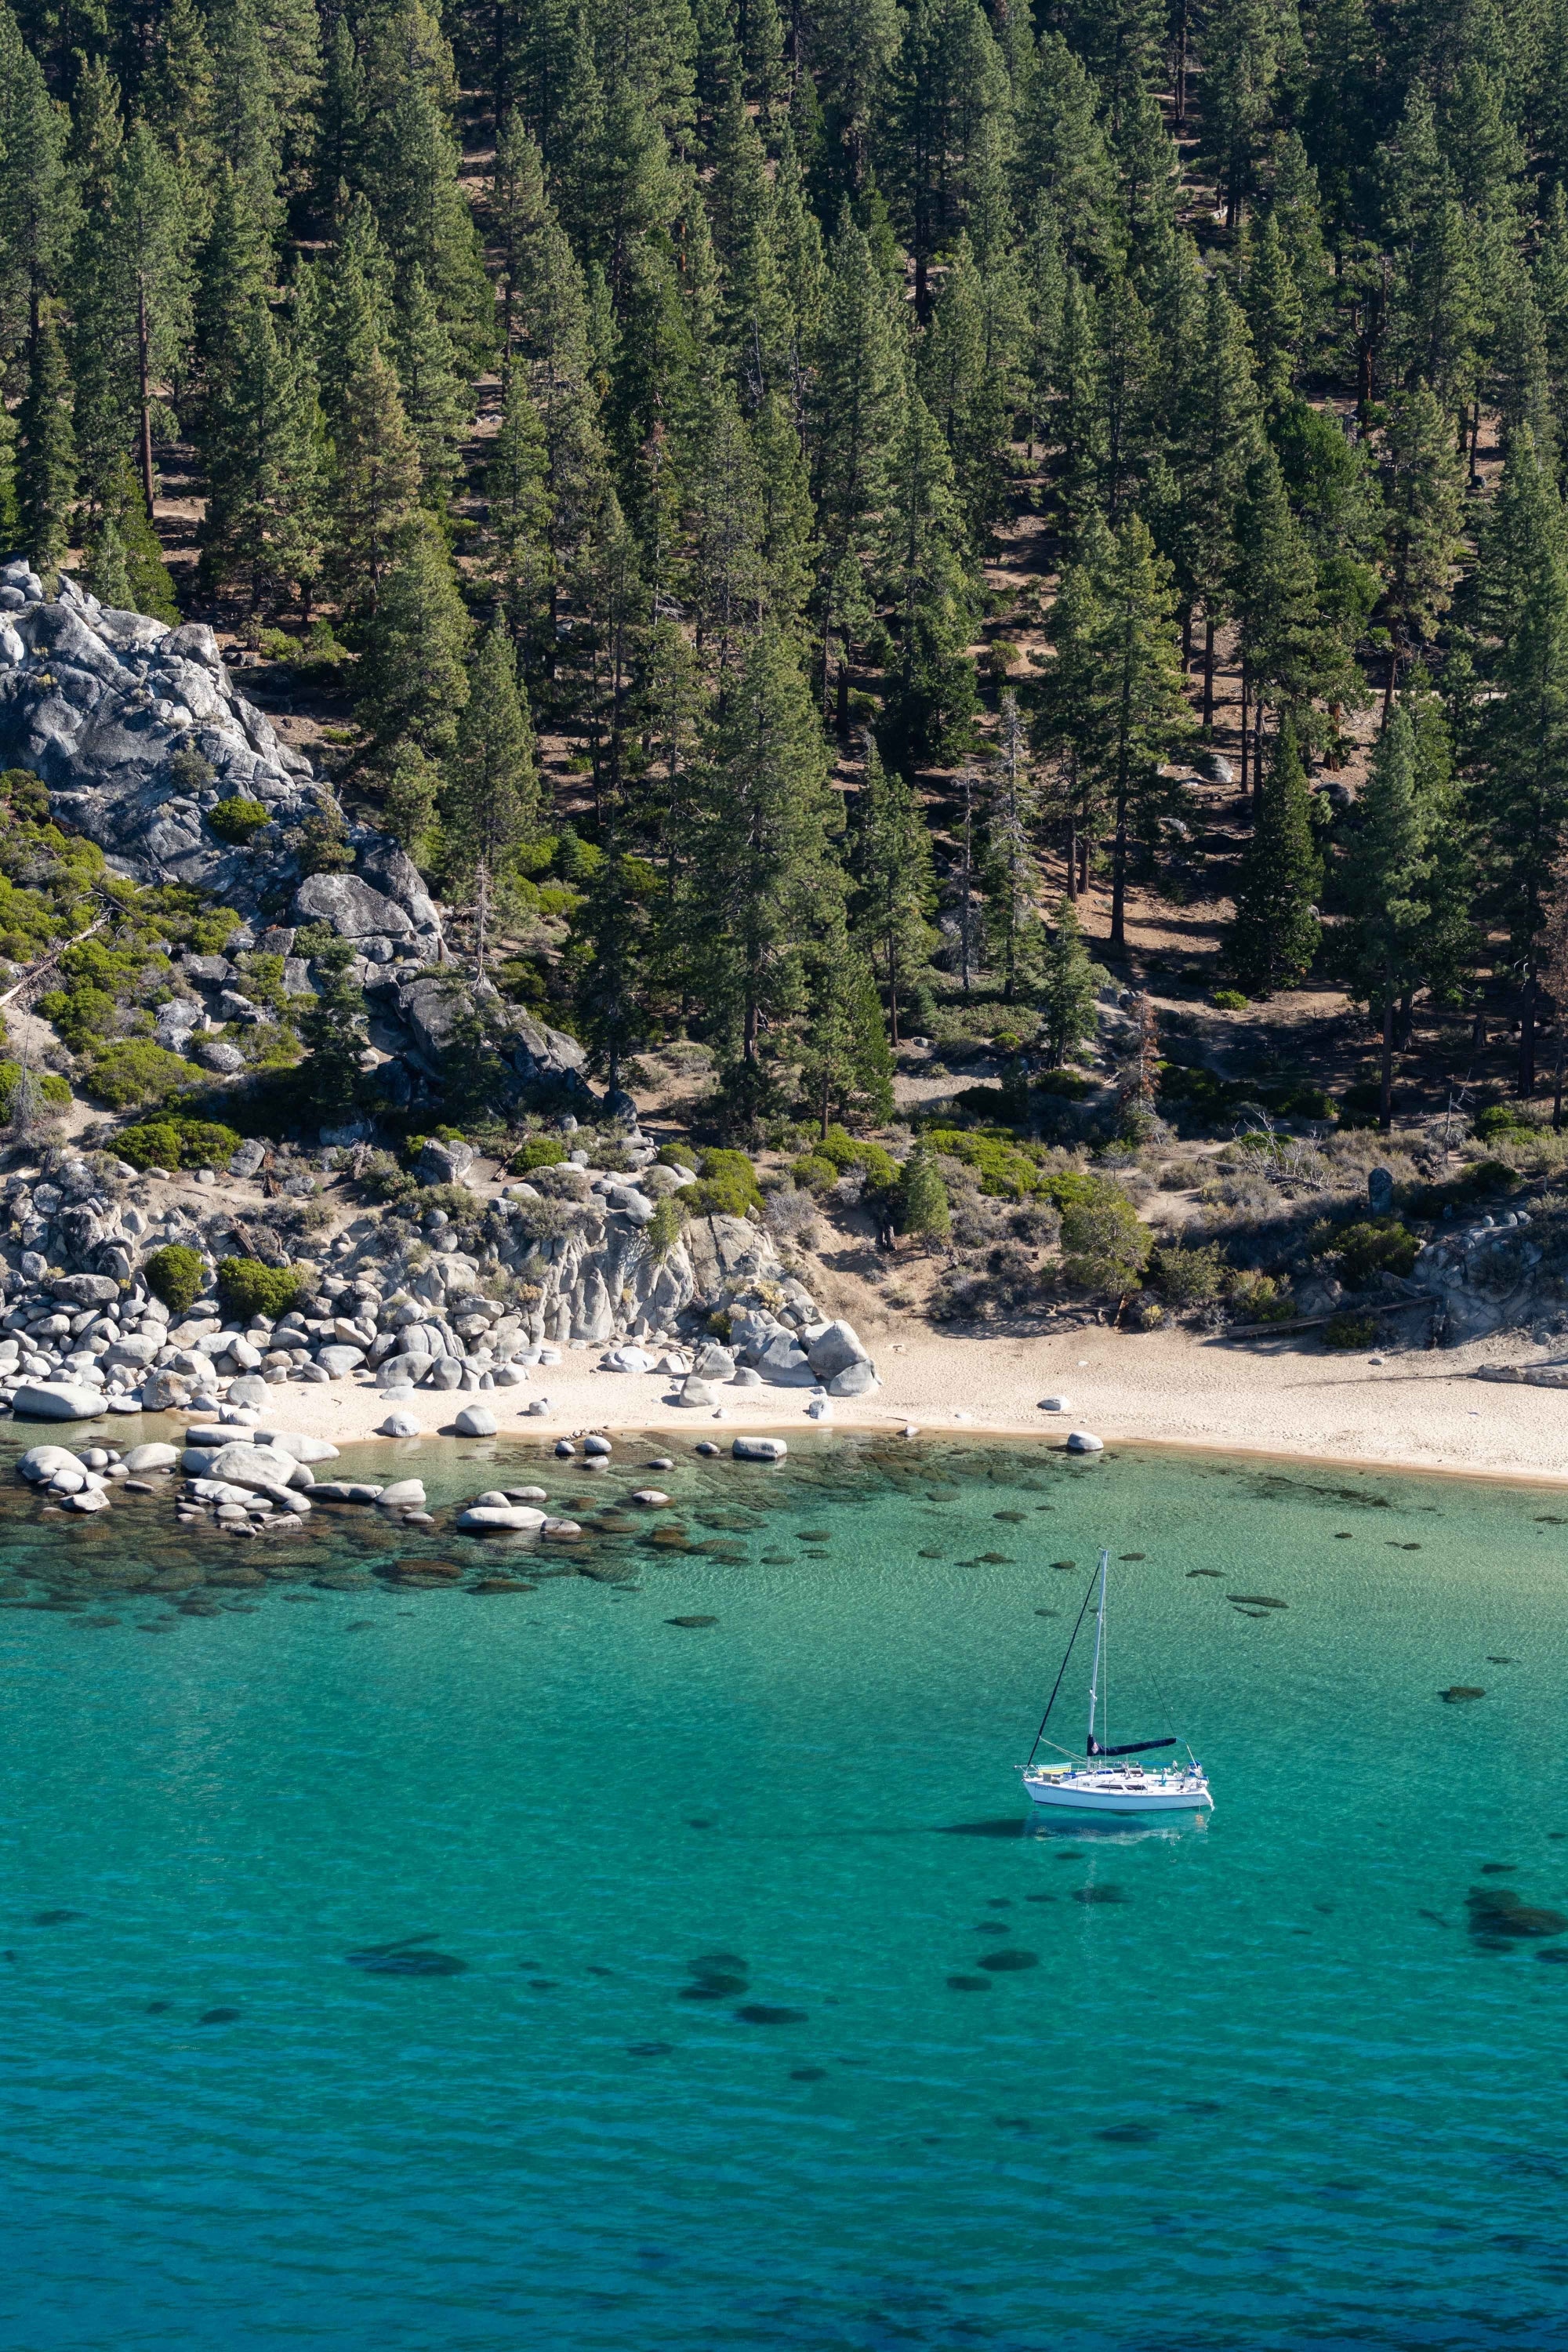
(1407, 1019)
(1208, 676)
(1557, 1078)
(145, 394)
(482, 917)
(1072, 859)
(842, 713)
(1245, 687)
(966, 902)
(1119, 879)
(1527, 1044)
(893, 992)
(1385, 1088)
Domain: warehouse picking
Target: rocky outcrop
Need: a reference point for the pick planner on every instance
(106, 707)
(98, 702)
(1483, 1277)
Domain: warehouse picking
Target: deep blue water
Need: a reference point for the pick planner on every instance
(1267, 2086)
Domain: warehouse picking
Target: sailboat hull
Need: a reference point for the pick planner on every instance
(1119, 1792)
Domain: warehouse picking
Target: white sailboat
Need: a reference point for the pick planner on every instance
(1100, 1785)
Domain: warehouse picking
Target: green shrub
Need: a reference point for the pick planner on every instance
(1350, 1331)
(726, 1186)
(1067, 1083)
(176, 1143)
(238, 820)
(1229, 1000)
(1500, 1118)
(134, 1072)
(923, 1206)
(1005, 1168)
(1260, 1298)
(52, 1090)
(175, 1274)
(814, 1174)
(843, 1151)
(678, 1155)
(538, 1151)
(1104, 1246)
(1189, 1276)
(662, 1230)
(248, 1287)
(1374, 1246)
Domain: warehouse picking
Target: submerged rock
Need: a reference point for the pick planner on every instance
(761, 2012)
(1010, 1962)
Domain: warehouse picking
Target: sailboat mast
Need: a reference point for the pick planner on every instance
(1099, 1648)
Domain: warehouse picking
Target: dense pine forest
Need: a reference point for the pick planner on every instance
(801, 519)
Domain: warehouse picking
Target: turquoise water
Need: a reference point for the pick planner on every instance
(1266, 2086)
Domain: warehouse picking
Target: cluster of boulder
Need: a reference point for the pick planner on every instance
(97, 703)
(565, 1260)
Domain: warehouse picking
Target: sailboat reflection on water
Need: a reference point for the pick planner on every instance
(1101, 1785)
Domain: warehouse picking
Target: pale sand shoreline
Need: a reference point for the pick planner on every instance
(1420, 1411)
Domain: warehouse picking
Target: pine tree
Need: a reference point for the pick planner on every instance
(1073, 711)
(846, 1067)
(858, 382)
(518, 521)
(47, 466)
(1062, 156)
(122, 558)
(1523, 731)
(924, 575)
(245, 129)
(1246, 45)
(1383, 884)
(969, 374)
(1448, 944)
(491, 801)
(1078, 421)
(132, 313)
(374, 479)
(176, 93)
(1292, 653)
(761, 875)
(1425, 497)
(1144, 712)
(413, 671)
(923, 1207)
(1066, 989)
(894, 889)
(343, 117)
(434, 397)
(1275, 314)
(262, 451)
(1214, 437)
(39, 213)
(231, 279)
(333, 1030)
(1276, 933)
(1011, 878)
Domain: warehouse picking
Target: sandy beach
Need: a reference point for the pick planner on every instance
(1415, 1411)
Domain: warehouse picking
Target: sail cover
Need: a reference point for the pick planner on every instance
(1133, 1748)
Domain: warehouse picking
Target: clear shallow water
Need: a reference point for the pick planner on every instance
(1265, 2089)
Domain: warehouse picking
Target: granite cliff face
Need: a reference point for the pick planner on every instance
(97, 703)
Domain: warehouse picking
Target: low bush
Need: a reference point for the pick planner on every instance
(1374, 1246)
(1501, 1120)
(52, 1091)
(1006, 1170)
(726, 1187)
(538, 1151)
(1105, 1248)
(662, 1230)
(238, 820)
(1344, 1331)
(248, 1287)
(843, 1151)
(135, 1073)
(1229, 1000)
(176, 1276)
(176, 1143)
(678, 1155)
(1190, 1276)
(815, 1174)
